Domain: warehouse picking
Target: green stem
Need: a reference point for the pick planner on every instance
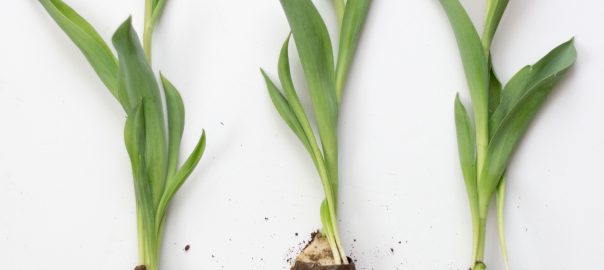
(500, 221)
(332, 223)
(148, 243)
(340, 9)
(147, 40)
(330, 195)
(479, 257)
(148, 31)
(475, 229)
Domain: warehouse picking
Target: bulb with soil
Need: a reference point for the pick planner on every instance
(317, 255)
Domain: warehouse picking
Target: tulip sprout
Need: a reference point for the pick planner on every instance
(326, 82)
(502, 114)
(153, 146)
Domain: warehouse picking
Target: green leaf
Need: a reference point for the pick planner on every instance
(292, 96)
(176, 181)
(298, 110)
(136, 81)
(158, 9)
(513, 90)
(134, 136)
(500, 224)
(86, 38)
(514, 125)
(474, 62)
(466, 142)
(328, 230)
(286, 112)
(316, 55)
(352, 26)
(495, 10)
(494, 92)
(555, 62)
(176, 122)
(340, 6)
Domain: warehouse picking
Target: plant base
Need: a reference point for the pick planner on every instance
(479, 266)
(317, 256)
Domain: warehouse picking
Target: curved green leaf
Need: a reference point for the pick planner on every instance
(158, 9)
(328, 230)
(494, 91)
(134, 136)
(340, 6)
(352, 26)
(316, 55)
(514, 125)
(176, 122)
(136, 82)
(176, 181)
(495, 10)
(286, 112)
(86, 38)
(501, 189)
(291, 95)
(474, 62)
(558, 60)
(466, 142)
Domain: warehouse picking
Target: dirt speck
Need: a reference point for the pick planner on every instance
(187, 247)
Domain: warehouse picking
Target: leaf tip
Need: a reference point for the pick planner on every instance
(124, 30)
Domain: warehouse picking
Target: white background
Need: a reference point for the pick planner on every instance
(66, 195)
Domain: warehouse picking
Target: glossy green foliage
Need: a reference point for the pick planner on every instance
(502, 113)
(94, 48)
(152, 135)
(325, 77)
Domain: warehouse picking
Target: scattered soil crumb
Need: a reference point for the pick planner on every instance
(187, 247)
(140, 267)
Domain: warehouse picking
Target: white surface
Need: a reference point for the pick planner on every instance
(66, 198)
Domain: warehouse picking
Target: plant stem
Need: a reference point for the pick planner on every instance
(148, 242)
(330, 197)
(479, 257)
(148, 30)
(340, 9)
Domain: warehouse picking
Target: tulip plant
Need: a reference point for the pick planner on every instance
(152, 141)
(502, 114)
(326, 81)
